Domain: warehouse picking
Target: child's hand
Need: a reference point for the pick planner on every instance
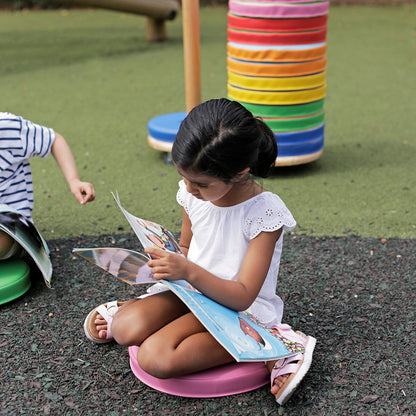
(83, 191)
(167, 265)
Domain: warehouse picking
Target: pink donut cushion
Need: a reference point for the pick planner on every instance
(220, 381)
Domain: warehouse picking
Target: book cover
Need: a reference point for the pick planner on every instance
(26, 234)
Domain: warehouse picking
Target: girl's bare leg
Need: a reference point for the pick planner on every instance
(136, 319)
(172, 341)
(181, 347)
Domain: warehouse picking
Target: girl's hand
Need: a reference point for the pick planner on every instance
(167, 265)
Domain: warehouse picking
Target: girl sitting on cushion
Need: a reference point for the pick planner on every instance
(232, 233)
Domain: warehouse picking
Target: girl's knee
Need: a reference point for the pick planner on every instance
(156, 360)
(122, 333)
(127, 327)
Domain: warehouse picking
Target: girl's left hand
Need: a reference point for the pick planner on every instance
(167, 265)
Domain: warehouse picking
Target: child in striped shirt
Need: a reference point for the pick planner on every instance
(20, 140)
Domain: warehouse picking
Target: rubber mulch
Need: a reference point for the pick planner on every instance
(355, 295)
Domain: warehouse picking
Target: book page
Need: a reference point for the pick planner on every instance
(150, 234)
(127, 265)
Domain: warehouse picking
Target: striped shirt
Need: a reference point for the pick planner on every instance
(20, 140)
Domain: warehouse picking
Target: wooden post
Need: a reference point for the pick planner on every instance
(190, 23)
(155, 30)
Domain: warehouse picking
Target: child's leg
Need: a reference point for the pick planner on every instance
(6, 245)
(129, 319)
(181, 347)
(172, 341)
(137, 319)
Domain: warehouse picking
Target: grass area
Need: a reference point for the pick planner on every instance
(91, 76)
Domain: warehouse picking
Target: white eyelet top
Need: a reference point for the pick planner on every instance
(221, 236)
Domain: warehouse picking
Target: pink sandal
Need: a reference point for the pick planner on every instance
(297, 366)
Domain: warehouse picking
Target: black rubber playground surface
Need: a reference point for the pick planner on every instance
(355, 295)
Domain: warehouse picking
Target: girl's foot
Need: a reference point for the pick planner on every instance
(101, 326)
(286, 374)
(97, 324)
(279, 380)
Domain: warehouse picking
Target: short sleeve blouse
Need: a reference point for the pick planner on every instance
(221, 236)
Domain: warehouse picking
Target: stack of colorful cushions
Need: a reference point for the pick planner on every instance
(276, 61)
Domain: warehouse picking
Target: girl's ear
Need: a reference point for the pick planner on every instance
(243, 173)
(240, 176)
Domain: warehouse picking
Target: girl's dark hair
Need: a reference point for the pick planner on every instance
(221, 138)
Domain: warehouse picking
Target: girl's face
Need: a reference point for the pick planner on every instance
(206, 188)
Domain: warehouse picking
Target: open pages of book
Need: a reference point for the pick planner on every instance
(127, 265)
(150, 234)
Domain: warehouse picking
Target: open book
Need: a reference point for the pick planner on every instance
(240, 333)
(26, 234)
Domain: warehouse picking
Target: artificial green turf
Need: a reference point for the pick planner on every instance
(91, 76)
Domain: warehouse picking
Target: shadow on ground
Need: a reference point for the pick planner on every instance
(355, 295)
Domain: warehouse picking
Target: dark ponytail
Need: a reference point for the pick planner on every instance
(221, 138)
(267, 155)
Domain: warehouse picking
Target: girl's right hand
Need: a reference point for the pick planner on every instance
(167, 265)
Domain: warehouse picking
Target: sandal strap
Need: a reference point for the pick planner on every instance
(287, 332)
(284, 361)
(287, 369)
(284, 366)
(108, 312)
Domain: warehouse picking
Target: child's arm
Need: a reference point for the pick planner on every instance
(186, 233)
(237, 295)
(83, 191)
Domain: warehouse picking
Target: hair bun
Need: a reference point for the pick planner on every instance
(221, 138)
(267, 150)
